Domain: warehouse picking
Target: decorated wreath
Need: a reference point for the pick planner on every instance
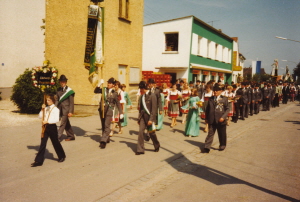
(44, 76)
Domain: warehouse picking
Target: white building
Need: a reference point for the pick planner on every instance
(187, 48)
(21, 38)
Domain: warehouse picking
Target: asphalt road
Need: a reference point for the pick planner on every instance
(260, 163)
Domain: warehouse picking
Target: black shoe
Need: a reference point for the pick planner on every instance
(102, 145)
(156, 150)
(251, 114)
(108, 140)
(243, 119)
(70, 139)
(139, 153)
(35, 164)
(61, 160)
(205, 150)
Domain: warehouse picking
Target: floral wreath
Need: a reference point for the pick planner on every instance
(43, 69)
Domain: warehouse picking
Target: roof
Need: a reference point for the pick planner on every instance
(198, 20)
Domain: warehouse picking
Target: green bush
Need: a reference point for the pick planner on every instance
(26, 96)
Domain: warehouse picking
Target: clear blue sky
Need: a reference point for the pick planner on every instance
(254, 22)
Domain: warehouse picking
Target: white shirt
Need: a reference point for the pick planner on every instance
(54, 114)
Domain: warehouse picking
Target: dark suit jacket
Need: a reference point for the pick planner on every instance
(66, 106)
(214, 111)
(266, 92)
(151, 103)
(285, 90)
(111, 101)
(157, 95)
(244, 95)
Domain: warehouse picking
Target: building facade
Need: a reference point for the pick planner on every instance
(66, 32)
(189, 49)
(21, 40)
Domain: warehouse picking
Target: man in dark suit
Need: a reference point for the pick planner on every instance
(65, 104)
(216, 113)
(258, 98)
(147, 118)
(109, 100)
(285, 93)
(266, 93)
(244, 100)
(201, 89)
(156, 92)
(252, 99)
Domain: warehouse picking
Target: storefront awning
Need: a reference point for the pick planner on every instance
(214, 69)
(172, 68)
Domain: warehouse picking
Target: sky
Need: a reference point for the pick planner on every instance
(255, 22)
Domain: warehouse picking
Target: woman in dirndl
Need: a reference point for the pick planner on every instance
(205, 97)
(230, 95)
(186, 93)
(116, 115)
(193, 119)
(165, 92)
(173, 107)
(293, 92)
(127, 103)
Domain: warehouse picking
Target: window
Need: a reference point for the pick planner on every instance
(217, 52)
(208, 49)
(171, 42)
(134, 75)
(124, 9)
(199, 45)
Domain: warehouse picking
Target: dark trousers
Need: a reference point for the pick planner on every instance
(65, 125)
(247, 109)
(276, 100)
(105, 123)
(252, 108)
(243, 111)
(50, 131)
(266, 104)
(221, 128)
(256, 107)
(237, 111)
(285, 99)
(153, 137)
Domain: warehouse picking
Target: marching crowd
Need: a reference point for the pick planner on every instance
(216, 103)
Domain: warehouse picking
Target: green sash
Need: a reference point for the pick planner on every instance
(152, 127)
(68, 92)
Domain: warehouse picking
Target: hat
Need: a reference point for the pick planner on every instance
(62, 78)
(151, 80)
(143, 85)
(234, 86)
(112, 80)
(217, 88)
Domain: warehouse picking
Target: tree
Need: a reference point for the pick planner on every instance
(297, 73)
(26, 96)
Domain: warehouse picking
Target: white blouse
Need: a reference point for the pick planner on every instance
(173, 93)
(51, 118)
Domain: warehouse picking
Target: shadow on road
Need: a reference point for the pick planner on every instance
(48, 155)
(217, 177)
(294, 122)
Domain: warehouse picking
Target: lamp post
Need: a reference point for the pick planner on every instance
(279, 37)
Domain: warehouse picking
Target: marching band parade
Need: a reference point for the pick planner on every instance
(216, 103)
